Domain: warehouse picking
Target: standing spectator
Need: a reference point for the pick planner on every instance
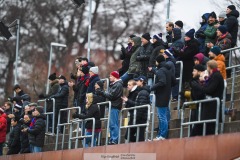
(114, 95)
(24, 97)
(215, 54)
(3, 129)
(36, 133)
(14, 144)
(177, 43)
(213, 87)
(25, 146)
(78, 66)
(144, 54)
(200, 58)
(76, 87)
(93, 72)
(142, 98)
(136, 43)
(61, 98)
(126, 55)
(169, 28)
(162, 89)
(200, 32)
(92, 111)
(179, 24)
(232, 23)
(100, 98)
(8, 111)
(222, 18)
(210, 31)
(133, 92)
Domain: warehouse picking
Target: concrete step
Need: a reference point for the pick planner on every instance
(231, 127)
(229, 118)
(237, 79)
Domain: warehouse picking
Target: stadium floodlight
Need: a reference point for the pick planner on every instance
(78, 3)
(4, 31)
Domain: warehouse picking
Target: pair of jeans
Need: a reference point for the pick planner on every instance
(89, 139)
(35, 149)
(162, 113)
(126, 77)
(114, 125)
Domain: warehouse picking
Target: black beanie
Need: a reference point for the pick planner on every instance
(179, 24)
(40, 109)
(100, 83)
(146, 36)
(222, 29)
(232, 7)
(52, 76)
(213, 15)
(190, 33)
(85, 69)
(199, 67)
(160, 58)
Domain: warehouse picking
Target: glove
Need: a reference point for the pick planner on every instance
(75, 115)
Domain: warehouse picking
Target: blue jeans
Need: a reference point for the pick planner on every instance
(89, 139)
(35, 149)
(162, 113)
(114, 125)
(126, 77)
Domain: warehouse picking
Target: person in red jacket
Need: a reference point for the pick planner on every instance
(3, 129)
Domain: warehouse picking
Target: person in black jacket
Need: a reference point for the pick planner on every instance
(100, 98)
(142, 98)
(61, 98)
(25, 146)
(93, 72)
(14, 145)
(24, 97)
(36, 133)
(162, 89)
(92, 111)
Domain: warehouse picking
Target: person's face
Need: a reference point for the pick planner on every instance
(27, 108)
(78, 72)
(129, 40)
(96, 86)
(144, 41)
(91, 73)
(15, 110)
(6, 106)
(168, 28)
(13, 123)
(195, 73)
(61, 81)
(211, 55)
(35, 113)
(130, 86)
(196, 61)
(83, 62)
(219, 33)
(220, 19)
(139, 83)
(154, 40)
(17, 90)
(228, 10)
(81, 73)
(186, 38)
(132, 42)
(111, 78)
(165, 56)
(26, 118)
(211, 20)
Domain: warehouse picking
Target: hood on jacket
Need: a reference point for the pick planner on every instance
(220, 57)
(177, 34)
(200, 57)
(205, 16)
(234, 13)
(137, 41)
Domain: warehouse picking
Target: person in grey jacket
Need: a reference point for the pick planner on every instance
(114, 95)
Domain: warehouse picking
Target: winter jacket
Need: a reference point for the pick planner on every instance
(36, 134)
(171, 62)
(7, 112)
(202, 59)
(210, 33)
(169, 39)
(200, 33)
(157, 46)
(114, 94)
(232, 25)
(54, 86)
(224, 42)
(92, 80)
(186, 56)
(220, 59)
(61, 97)
(143, 57)
(196, 94)
(25, 97)
(25, 147)
(14, 144)
(98, 98)
(131, 98)
(177, 43)
(126, 56)
(133, 60)
(3, 128)
(82, 90)
(163, 84)
(141, 99)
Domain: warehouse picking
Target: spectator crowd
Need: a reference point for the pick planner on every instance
(148, 66)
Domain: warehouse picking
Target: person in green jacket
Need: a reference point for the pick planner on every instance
(210, 32)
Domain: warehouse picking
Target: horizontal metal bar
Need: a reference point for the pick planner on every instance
(230, 49)
(236, 66)
(107, 102)
(137, 107)
(198, 122)
(134, 126)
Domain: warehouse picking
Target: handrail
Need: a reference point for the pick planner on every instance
(64, 124)
(134, 125)
(180, 86)
(153, 113)
(105, 119)
(199, 116)
(82, 121)
(107, 81)
(230, 50)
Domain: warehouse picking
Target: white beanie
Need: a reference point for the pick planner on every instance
(94, 70)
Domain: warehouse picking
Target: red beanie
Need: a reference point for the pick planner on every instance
(115, 74)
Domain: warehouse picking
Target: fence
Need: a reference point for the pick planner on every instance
(134, 125)
(64, 124)
(153, 113)
(82, 122)
(199, 121)
(231, 51)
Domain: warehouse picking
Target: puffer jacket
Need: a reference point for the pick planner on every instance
(92, 80)
(157, 46)
(210, 33)
(133, 60)
(177, 43)
(220, 59)
(61, 96)
(224, 42)
(36, 134)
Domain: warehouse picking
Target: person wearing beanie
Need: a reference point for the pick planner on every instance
(20, 93)
(99, 87)
(143, 56)
(36, 133)
(215, 54)
(200, 32)
(200, 58)
(93, 73)
(210, 32)
(190, 33)
(222, 17)
(179, 24)
(162, 90)
(177, 41)
(232, 23)
(114, 95)
(224, 38)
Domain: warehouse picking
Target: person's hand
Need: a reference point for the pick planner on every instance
(11, 116)
(209, 45)
(216, 25)
(125, 99)
(150, 69)
(24, 129)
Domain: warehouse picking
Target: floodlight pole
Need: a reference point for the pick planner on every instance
(50, 61)
(89, 28)
(168, 10)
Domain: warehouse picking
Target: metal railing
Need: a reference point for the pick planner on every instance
(107, 116)
(199, 121)
(82, 122)
(153, 113)
(64, 124)
(134, 125)
(48, 114)
(107, 83)
(231, 51)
